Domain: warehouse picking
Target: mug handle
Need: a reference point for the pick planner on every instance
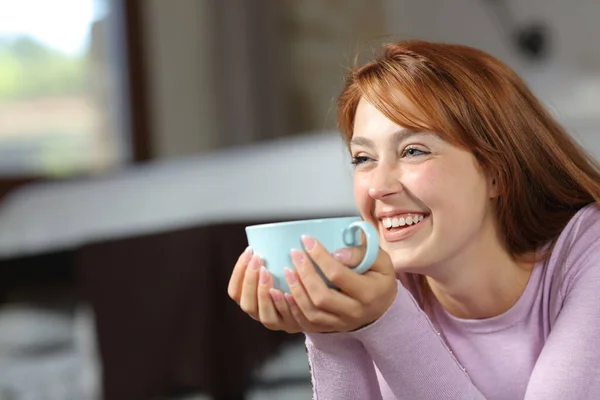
(349, 235)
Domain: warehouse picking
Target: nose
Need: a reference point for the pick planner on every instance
(385, 182)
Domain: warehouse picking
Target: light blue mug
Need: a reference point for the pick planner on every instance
(273, 242)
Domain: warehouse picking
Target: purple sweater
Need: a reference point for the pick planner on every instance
(546, 347)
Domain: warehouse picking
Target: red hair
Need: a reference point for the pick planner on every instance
(474, 101)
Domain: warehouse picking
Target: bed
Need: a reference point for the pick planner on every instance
(151, 248)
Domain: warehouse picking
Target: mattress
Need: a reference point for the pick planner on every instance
(294, 177)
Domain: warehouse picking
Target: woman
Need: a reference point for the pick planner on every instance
(487, 285)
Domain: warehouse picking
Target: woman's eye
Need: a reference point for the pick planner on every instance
(360, 160)
(413, 152)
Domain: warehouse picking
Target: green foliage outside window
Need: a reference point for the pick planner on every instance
(29, 69)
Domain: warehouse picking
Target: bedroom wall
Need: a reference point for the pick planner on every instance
(178, 35)
(568, 81)
(475, 23)
(314, 44)
(214, 74)
(290, 57)
(322, 37)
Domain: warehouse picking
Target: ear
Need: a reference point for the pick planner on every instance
(493, 188)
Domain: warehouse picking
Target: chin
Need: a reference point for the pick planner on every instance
(403, 261)
(406, 260)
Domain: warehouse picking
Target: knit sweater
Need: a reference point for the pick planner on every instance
(545, 347)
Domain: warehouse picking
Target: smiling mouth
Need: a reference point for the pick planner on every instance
(404, 221)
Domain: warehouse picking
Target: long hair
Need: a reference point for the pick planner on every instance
(476, 102)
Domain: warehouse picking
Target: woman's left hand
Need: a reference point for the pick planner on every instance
(361, 300)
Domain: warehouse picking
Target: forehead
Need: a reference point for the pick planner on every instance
(370, 122)
(369, 118)
(371, 126)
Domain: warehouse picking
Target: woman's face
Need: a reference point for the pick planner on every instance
(428, 199)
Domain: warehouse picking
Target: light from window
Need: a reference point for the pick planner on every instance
(57, 84)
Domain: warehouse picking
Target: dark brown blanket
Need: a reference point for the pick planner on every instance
(164, 320)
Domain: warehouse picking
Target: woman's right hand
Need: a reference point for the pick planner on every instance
(251, 287)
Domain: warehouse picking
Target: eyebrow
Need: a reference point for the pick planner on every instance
(397, 137)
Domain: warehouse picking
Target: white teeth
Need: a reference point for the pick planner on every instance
(396, 222)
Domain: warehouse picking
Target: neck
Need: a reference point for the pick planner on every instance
(485, 282)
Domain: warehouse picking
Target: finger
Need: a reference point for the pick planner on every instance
(350, 256)
(321, 295)
(248, 300)
(303, 322)
(283, 309)
(297, 314)
(313, 315)
(234, 288)
(353, 256)
(376, 278)
(267, 312)
(341, 276)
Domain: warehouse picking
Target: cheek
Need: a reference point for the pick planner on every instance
(425, 182)
(361, 193)
(456, 191)
(453, 192)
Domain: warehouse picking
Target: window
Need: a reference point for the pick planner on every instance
(62, 107)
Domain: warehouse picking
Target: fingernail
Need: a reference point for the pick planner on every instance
(308, 242)
(290, 299)
(290, 276)
(342, 255)
(263, 276)
(298, 256)
(247, 253)
(276, 295)
(255, 263)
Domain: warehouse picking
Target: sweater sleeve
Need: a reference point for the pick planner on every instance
(569, 365)
(412, 357)
(340, 368)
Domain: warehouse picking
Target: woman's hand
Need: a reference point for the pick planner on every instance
(312, 306)
(251, 287)
(361, 300)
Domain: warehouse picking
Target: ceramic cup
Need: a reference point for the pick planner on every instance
(273, 242)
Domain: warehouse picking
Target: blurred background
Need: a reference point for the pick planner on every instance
(139, 137)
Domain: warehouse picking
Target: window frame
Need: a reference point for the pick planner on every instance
(136, 116)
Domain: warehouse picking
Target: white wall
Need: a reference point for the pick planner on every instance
(473, 22)
(182, 107)
(569, 82)
(214, 72)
